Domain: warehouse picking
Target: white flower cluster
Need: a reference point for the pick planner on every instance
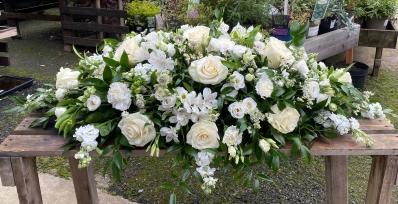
(203, 160)
(374, 110)
(87, 135)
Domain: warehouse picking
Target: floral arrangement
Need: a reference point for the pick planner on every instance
(212, 97)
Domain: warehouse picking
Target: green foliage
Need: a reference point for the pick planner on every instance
(375, 8)
(142, 9)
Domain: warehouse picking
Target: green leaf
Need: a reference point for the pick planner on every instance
(304, 28)
(107, 74)
(39, 121)
(153, 79)
(275, 164)
(186, 174)
(320, 105)
(97, 83)
(187, 87)
(68, 102)
(124, 60)
(295, 29)
(117, 77)
(173, 199)
(306, 154)
(94, 117)
(107, 165)
(299, 40)
(277, 92)
(248, 179)
(116, 172)
(118, 159)
(191, 151)
(227, 90)
(230, 65)
(288, 95)
(211, 150)
(174, 148)
(76, 52)
(278, 136)
(220, 103)
(256, 186)
(264, 177)
(167, 186)
(156, 121)
(264, 106)
(284, 157)
(229, 98)
(185, 187)
(248, 149)
(111, 62)
(281, 105)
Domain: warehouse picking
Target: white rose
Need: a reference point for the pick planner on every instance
(237, 110)
(93, 102)
(345, 78)
(119, 96)
(197, 35)
(135, 53)
(222, 44)
(237, 80)
(249, 104)
(239, 50)
(208, 70)
(277, 53)
(284, 121)
(59, 111)
(137, 128)
(302, 67)
(232, 136)
(203, 134)
(66, 77)
(264, 86)
(60, 94)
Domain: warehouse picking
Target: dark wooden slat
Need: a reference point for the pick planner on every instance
(82, 41)
(94, 27)
(379, 38)
(93, 11)
(65, 33)
(84, 182)
(38, 8)
(336, 179)
(3, 47)
(6, 175)
(26, 179)
(4, 61)
(32, 16)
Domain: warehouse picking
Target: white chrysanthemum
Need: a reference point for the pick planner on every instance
(169, 133)
(249, 104)
(237, 80)
(60, 94)
(264, 87)
(222, 44)
(93, 102)
(311, 90)
(159, 61)
(119, 96)
(232, 136)
(237, 110)
(59, 111)
(204, 158)
(86, 133)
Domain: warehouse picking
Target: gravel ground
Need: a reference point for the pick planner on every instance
(39, 54)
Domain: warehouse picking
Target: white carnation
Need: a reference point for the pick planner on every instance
(264, 87)
(232, 136)
(119, 96)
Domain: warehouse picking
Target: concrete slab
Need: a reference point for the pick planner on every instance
(56, 190)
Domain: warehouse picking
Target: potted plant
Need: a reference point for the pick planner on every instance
(301, 10)
(376, 12)
(138, 13)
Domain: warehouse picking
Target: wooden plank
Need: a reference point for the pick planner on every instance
(6, 32)
(54, 145)
(26, 179)
(381, 180)
(93, 11)
(82, 41)
(336, 179)
(32, 16)
(100, 35)
(42, 7)
(84, 182)
(23, 128)
(7, 177)
(9, 7)
(4, 61)
(3, 47)
(377, 62)
(379, 38)
(66, 33)
(94, 27)
(332, 43)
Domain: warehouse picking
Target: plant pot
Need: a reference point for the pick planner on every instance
(358, 20)
(358, 72)
(377, 23)
(312, 30)
(327, 25)
(10, 84)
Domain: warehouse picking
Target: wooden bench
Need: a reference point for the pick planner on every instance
(18, 154)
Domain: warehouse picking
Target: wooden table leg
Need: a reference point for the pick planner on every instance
(26, 179)
(84, 182)
(336, 179)
(381, 180)
(377, 63)
(12, 22)
(7, 177)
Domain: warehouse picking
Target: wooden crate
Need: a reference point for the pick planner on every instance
(6, 32)
(332, 43)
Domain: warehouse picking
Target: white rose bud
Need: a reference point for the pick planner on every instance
(59, 111)
(249, 77)
(264, 145)
(162, 46)
(333, 107)
(272, 143)
(232, 151)
(248, 56)
(66, 78)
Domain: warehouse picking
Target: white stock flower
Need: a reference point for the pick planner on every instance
(67, 78)
(223, 28)
(264, 86)
(160, 62)
(277, 53)
(59, 111)
(237, 110)
(93, 102)
(249, 104)
(284, 121)
(222, 44)
(86, 133)
(311, 90)
(134, 52)
(232, 136)
(239, 50)
(169, 133)
(208, 70)
(204, 158)
(119, 96)
(203, 134)
(237, 80)
(137, 128)
(60, 94)
(302, 67)
(89, 145)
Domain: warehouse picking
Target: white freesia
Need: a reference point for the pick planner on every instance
(137, 128)
(237, 80)
(59, 111)
(232, 136)
(93, 102)
(203, 134)
(119, 96)
(277, 53)
(169, 133)
(67, 78)
(284, 121)
(264, 86)
(237, 110)
(222, 44)
(208, 70)
(134, 52)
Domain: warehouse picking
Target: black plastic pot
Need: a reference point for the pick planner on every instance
(358, 73)
(327, 24)
(10, 84)
(377, 23)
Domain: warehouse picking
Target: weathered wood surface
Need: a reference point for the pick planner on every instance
(66, 33)
(379, 38)
(6, 32)
(3, 47)
(84, 182)
(94, 27)
(93, 11)
(336, 173)
(83, 41)
(6, 175)
(32, 16)
(332, 43)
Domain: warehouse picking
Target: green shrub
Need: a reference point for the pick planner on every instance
(143, 9)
